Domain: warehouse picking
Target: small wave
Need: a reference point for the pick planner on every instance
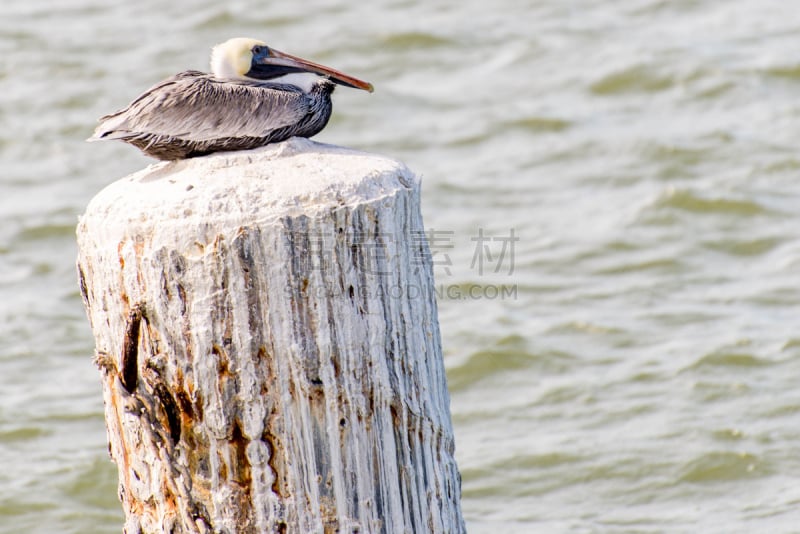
(791, 72)
(662, 265)
(45, 231)
(728, 434)
(498, 360)
(583, 327)
(729, 359)
(673, 153)
(413, 40)
(23, 434)
(744, 247)
(540, 460)
(791, 344)
(215, 19)
(722, 466)
(686, 200)
(538, 124)
(635, 79)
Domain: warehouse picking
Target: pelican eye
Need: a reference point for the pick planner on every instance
(261, 50)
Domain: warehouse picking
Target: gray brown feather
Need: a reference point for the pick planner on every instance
(193, 113)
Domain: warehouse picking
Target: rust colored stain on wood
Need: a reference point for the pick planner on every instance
(274, 462)
(241, 467)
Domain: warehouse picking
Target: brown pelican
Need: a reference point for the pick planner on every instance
(254, 95)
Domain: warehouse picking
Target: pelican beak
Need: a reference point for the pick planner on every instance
(276, 63)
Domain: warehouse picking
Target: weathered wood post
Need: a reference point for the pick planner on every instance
(266, 327)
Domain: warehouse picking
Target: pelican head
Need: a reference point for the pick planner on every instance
(243, 58)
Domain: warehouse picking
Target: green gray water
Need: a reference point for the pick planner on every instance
(633, 369)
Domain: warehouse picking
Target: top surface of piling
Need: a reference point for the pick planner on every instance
(288, 178)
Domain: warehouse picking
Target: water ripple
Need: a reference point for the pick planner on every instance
(696, 202)
(720, 466)
(633, 79)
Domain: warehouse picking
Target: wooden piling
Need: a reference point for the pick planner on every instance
(266, 327)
